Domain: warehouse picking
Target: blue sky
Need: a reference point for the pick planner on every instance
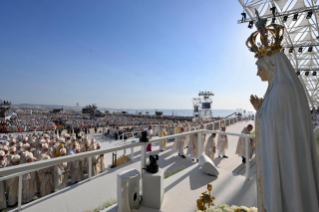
(126, 54)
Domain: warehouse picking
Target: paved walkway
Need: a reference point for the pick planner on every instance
(184, 188)
(88, 195)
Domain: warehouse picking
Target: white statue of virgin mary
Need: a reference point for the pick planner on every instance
(287, 165)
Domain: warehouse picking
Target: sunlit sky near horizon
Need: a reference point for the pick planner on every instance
(135, 54)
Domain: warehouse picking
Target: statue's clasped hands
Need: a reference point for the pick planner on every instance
(255, 101)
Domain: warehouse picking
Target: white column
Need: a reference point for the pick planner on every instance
(20, 193)
(247, 157)
(90, 168)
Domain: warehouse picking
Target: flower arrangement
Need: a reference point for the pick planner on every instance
(227, 208)
(206, 198)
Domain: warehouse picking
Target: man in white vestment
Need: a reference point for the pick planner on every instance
(210, 148)
(12, 184)
(29, 185)
(179, 144)
(240, 149)
(222, 144)
(162, 133)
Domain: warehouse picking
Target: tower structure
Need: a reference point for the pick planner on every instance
(202, 105)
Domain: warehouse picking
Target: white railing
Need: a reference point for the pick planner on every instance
(20, 170)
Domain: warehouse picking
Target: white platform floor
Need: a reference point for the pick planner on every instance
(181, 190)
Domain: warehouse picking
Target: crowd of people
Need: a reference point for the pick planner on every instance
(44, 122)
(16, 149)
(21, 149)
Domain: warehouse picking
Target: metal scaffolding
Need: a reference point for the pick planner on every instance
(301, 38)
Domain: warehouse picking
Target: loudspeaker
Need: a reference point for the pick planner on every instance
(128, 190)
(208, 165)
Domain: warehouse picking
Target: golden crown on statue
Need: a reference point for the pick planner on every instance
(266, 47)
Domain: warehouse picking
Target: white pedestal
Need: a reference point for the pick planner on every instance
(153, 189)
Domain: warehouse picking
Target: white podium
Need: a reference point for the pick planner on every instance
(153, 189)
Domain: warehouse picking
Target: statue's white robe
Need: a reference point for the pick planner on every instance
(287, 164)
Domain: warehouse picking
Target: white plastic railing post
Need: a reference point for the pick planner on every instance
(247, 157)
(20, 193)
(219, 125)
(200, 139)
(90, 168)
(132, 153)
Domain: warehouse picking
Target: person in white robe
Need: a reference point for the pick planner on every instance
(29, 183)
(61, 172)
(3, 199)
(240, 149)
(85, 163)
(76, 169)
(162, 133)
(210, 148)
(95, 163)
(52, 150)
(12, 184)
(192, 149)
(92, 145)
(222, 144)
(286, 158)
(12, 153)
(101, 160)
(180, 143)
(45, 176)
